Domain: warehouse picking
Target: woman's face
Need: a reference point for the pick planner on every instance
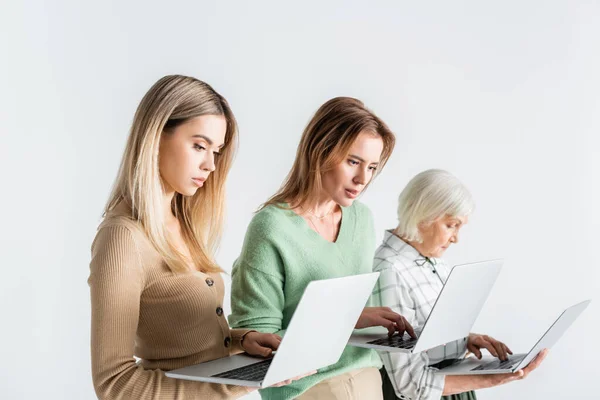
(187, 155)
(348, 179)
(439, 235)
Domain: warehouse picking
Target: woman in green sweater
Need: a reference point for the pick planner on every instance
(311, 229)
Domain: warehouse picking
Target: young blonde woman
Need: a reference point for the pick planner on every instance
(156, 291)
(313, 228)
(432, 209)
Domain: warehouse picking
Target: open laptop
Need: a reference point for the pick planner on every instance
(452, 317)
(490, 365)
(315, 337)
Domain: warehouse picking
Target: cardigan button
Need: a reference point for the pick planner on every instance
(219, 311)
(227, 341)
(209, 282)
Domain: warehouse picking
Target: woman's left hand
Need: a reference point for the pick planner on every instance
(495, 347)
(260, 344)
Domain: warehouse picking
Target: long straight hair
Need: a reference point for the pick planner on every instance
(170, 102)
(324, 144)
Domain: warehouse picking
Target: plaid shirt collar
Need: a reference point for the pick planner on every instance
(399, 246)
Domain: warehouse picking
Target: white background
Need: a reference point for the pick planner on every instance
(506, 95)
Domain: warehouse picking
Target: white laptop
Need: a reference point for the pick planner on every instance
(315, 337)
(452, 317)
(490, 365)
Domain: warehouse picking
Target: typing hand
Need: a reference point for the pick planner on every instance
(496, 348)
(260, 344)
(384, 316)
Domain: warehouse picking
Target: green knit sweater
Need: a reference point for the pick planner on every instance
(280, 256)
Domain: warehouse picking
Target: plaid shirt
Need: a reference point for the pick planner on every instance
(409, 284)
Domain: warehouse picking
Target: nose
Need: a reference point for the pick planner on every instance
(454, 238)
(361, 177)
(208, 163)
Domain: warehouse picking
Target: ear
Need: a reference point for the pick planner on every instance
(423, 225)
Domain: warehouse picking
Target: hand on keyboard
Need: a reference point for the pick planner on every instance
(495, 347)
(260, 344)
(384, 316)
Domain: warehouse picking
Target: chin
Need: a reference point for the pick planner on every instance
(344, 202)
(188, 192)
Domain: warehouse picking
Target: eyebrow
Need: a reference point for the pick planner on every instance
(210, 142)
(361, 160)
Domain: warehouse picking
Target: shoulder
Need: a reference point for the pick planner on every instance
(116, 253)
(361, 211)
(121, 225)
(120, 234)
(387, 259)
(269, 220)
(115, 236)
(363, 219)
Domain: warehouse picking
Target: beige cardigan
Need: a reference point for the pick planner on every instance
(168, 320)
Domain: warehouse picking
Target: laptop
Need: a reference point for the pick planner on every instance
(452, 317)
(315, 337)
(490, 365)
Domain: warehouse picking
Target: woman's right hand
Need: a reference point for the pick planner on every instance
(384, 316)
(260, 344)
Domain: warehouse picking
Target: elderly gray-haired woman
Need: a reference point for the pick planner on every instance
(431, 211)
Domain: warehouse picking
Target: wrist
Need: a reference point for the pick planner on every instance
(455, 384)
(487, 381)
(244, 337)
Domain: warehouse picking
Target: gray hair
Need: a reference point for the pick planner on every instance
(428, 196)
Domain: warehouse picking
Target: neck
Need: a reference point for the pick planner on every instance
(323, 205)
(167, 201)
(418, 246)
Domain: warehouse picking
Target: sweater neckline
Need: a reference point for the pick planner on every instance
(301, 222)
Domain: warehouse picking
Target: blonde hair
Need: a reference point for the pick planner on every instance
(324, 144)
(170, 102)
(428, 196)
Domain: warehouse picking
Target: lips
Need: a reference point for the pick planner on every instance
(199, 181)
(352, 193)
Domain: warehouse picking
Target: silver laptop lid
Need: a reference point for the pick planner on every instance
(322, 322)
(459, 303)
(558, 328)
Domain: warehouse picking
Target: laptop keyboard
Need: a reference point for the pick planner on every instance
(254, 372)
(497, 364)
(397, 341)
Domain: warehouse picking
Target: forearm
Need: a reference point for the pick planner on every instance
(455, 384)
(256, 299)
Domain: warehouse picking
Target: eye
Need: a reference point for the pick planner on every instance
(353, 162)
(373, 168)
(199, 147)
